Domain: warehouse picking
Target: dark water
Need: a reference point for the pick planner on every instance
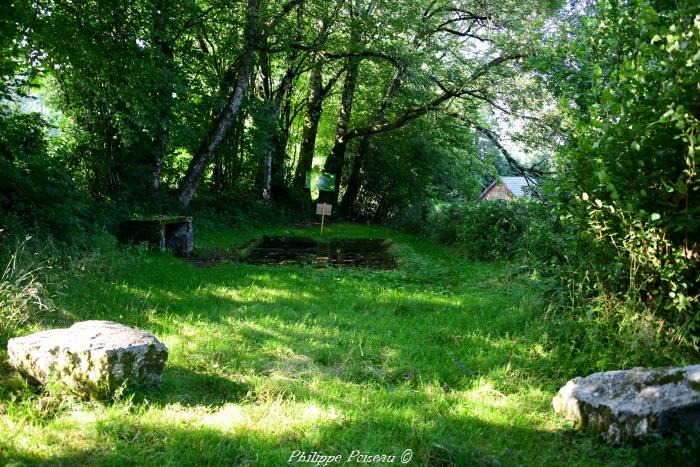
(341, 253)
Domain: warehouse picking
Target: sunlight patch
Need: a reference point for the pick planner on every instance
(485, 393)
(289, 365)
(227, 418)
(83, 416)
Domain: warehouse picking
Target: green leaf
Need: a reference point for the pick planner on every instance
(607, 96)
(655, 216)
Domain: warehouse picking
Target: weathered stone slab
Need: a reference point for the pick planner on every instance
(630, 403)
(91, 358)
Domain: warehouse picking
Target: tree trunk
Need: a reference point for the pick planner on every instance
(218, 176)
(165, 64)
(280, 134)
(268, 95)
(352, 187)
(279, 148)
(267, 174)
(273, 177)
(347, 205)
(336, 160)
(314, 105)
(223, 121)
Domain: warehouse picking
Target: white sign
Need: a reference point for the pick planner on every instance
(324, 209)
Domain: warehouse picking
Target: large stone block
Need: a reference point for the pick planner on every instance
(631, 403)
(91, 358)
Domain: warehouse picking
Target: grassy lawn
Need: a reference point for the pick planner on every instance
(449, 358)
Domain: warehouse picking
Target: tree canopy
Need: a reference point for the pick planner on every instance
(251, 96)
(173, 106)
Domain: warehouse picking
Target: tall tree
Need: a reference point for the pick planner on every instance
(314, 102)
(222, 122)
(114, 69)
(461, 47)
(165, 90)
(335, 162)
(347, 206)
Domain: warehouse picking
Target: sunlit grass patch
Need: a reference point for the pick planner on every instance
(442, 356)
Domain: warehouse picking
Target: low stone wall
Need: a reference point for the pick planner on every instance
(164, 232)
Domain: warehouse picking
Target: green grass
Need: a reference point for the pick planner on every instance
(449, 358)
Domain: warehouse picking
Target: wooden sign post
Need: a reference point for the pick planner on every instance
(324, 210)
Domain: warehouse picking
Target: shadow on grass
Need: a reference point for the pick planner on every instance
(354, 328)
(437, 438)
(185, 387)
(373, 346)
(450, 441)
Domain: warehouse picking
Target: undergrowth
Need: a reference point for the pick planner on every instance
(23, 295)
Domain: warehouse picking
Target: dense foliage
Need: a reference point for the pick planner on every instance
(35, 188)
(491, 230)
(161, 101)
(626, 75)
(222, 108)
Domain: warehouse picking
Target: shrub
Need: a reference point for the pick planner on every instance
(628, 187)
(35, 190)
(495, 230)
(630, 260)
(236, 208)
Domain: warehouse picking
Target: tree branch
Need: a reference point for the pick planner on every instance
(362, 54)
(404, 119)
(435, 104)
(526, 172)
(331, 82)
(284, 11)
(198, 18)
(481, 71)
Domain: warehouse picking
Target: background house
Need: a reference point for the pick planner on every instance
(506, 188)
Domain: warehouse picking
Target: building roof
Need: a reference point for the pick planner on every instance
(514, 184)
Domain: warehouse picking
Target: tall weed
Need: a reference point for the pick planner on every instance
(22, 293)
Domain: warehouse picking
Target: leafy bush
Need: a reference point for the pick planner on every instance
(495, 230)
(236, 208)
(35, 190)
(628, 186)
(426, 170)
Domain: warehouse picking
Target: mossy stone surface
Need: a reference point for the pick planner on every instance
(627, 404)
(91, 358)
